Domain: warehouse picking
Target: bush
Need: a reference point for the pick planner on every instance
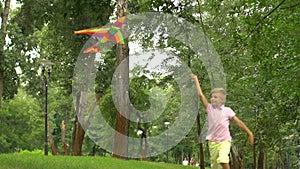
(34, 152)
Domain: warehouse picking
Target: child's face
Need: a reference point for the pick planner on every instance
(216, 99)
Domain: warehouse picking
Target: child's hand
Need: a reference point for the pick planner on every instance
(251, 139)
(193, 76)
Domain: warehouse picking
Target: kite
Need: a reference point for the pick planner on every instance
(113, 33)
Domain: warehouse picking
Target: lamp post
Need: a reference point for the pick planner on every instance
(46, 67)
(167, 127)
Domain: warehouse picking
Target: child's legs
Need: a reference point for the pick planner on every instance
(219, 153)
(225, 165)
(224, 152)
(214, 153)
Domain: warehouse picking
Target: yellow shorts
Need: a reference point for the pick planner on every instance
(219, 153)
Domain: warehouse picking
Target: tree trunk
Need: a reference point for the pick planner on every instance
(236, 158)
(65, 146)
(78, 131)
(82, 108)
(1, 83)
(143, 141)
(94, 150)
(78, 137)
(80, 123)
(122, 122)
(266, 159)
(280, 155)
(254, 156)
(200, 143)
(54, 148)
(4, 16)
(122, 86)
(260, 163)
(274, 166)
(144, 146)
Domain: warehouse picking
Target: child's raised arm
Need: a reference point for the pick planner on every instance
(243, 126)
(199, 90)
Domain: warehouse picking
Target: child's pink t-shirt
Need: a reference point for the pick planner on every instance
(218, 123)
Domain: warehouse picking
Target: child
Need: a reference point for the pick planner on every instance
(192, 162)
(185, 161)
(218, 135)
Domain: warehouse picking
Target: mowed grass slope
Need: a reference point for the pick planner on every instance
(19, 161)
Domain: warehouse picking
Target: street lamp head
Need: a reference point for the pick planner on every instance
(166, 123)
(46, 63)
(139, 132)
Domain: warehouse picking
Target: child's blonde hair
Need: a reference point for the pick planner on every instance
(221, 91)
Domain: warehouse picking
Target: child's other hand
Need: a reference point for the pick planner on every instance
(193, 76)
(251, 139)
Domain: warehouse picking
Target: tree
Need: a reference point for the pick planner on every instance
(22, 124)
(251, 44)
(4, 17)
(50, 35)
(256, 40)
(122, 87)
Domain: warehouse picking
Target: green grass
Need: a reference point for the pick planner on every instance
(26, 161)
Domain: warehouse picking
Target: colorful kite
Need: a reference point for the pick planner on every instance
(113, 33)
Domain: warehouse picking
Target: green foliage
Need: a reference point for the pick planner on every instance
(258, 48)
(34, 152)
(46, 31)
(60, 108)
(258, 42)
(11, 78)
(22, 124)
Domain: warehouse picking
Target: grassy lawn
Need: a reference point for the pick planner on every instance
(25, 161)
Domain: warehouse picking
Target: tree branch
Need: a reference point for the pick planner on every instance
(261, 20)
(292, 6)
